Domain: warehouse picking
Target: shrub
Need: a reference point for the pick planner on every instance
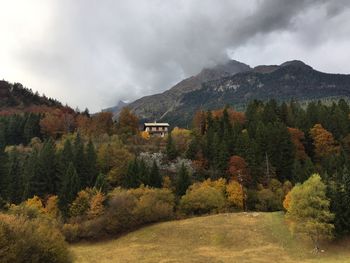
(119, 215)
(71, 232)
(88, 204)
(202, 198)
(125, 210)
(271, 198)
(153, 204)
(31, 240)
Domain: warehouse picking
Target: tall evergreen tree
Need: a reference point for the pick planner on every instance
(144, 174)
(3, 162)
(66, 156)
(101, 182)
(30, 170)
(171, 151)
(13, 182)
(31, 127)
(91, 164)
(47, 180)
(182, 181)
(79, 160)
(155, 179)
(345, 215)
(70, 187)
(131, 179)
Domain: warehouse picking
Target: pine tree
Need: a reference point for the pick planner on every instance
(3, 162)
(79, 160)
(155, 179)
(91, 164)
(223, 157)
(70, 187)
(12, 183)
(31, 127)
(30, 170)
(170, 148)
(335, 193)
(280, 150)
(47, 180)
(144, 173)
(193, 148)
(297, 172)
(346, 201)
(183, 181)
(66, 157)
(101, 182)
(131, 179)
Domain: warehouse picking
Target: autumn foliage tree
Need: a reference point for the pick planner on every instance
(128, 123)
(323, 140)
(238, 169)
(235, 194)
(200, 122)
(297, 137)
(57, 122)
(308, 209)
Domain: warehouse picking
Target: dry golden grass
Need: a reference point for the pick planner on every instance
(237, 237)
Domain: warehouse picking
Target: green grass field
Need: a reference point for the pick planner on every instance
(237, 237)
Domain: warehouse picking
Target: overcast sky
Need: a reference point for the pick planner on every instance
(92, 53)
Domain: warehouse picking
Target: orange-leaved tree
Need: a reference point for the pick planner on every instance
(297, 136)
(238, 170)
(324, 142)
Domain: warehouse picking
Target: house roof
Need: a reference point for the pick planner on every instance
(154, 124)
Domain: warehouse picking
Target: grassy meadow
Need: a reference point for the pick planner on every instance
(236, 237)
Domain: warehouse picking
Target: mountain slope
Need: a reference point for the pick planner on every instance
(291, 80)
(158, 105)
(116, 109)
(213, 89)
(14, 98)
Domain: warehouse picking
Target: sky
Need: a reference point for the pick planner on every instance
(93, 53)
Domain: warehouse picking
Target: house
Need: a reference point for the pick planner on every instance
(156, 129)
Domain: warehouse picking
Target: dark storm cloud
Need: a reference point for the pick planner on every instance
(96, 52)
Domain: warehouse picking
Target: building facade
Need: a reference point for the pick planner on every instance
(156, 129)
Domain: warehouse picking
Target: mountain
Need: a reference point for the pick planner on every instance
(156, 107)
(217, 87)
(14, 98)
(116, 109)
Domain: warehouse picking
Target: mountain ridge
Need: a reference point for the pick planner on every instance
(217, 87)
(15, 98)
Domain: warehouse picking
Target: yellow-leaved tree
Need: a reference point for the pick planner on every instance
(235, 194)
(308, 210)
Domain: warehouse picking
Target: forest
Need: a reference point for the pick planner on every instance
(85, 177)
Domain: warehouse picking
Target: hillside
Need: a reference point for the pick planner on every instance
(239, 237)
(290, 80)
(15, 98)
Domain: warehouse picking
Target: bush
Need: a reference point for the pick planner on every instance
(271, 198)
(71, 232)
(31, 240)
(202, 198)
(87, 205)
(126, 210)
(152, 204)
